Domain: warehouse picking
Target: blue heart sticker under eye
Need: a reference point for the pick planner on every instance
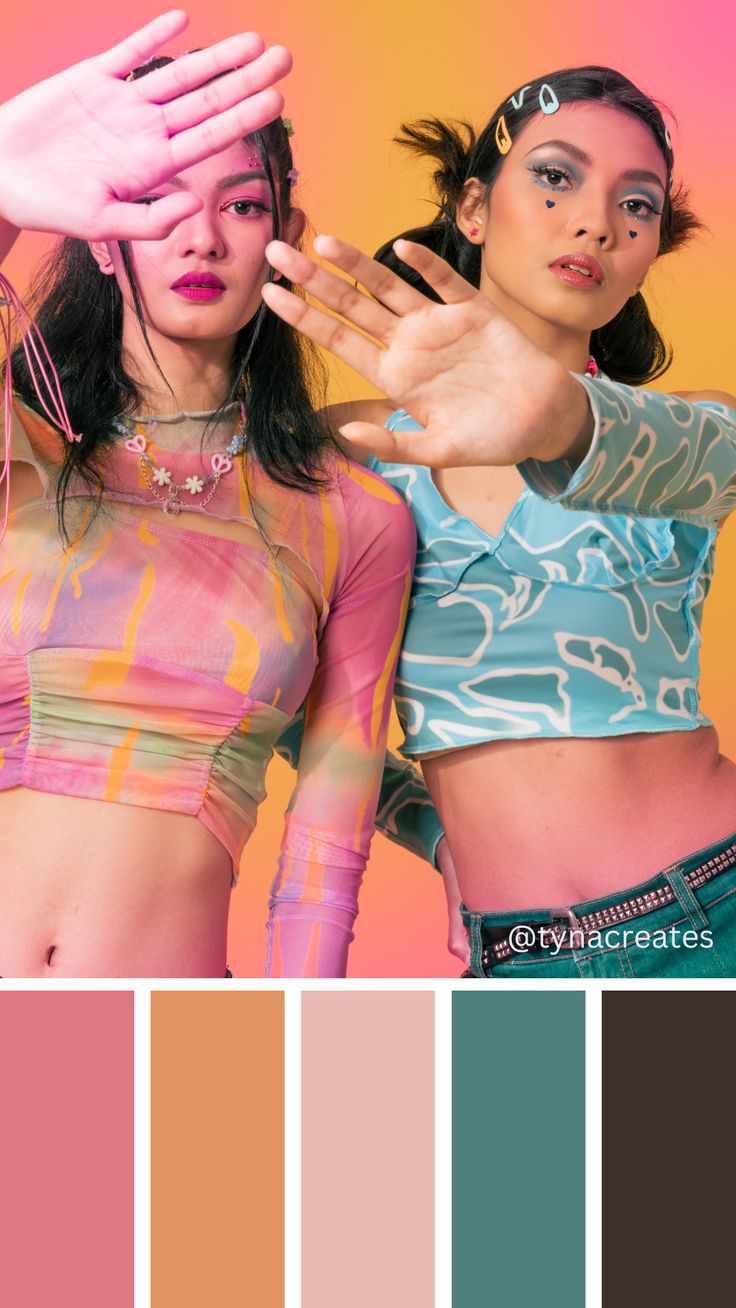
(550, 204)
(633, 235)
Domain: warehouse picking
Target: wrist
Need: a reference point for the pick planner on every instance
(569, 424)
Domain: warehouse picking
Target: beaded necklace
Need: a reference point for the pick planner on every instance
(220, 464)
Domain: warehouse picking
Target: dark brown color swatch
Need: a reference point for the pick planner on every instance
(669, 1147)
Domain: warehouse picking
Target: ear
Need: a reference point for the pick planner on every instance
(471, 213)
(294, 228)
(102, 255)
(293, 232)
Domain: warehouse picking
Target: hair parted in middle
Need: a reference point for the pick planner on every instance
(629, 347)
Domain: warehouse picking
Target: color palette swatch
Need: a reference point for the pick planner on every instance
(669, 1146)
(518, 1148)
(66, 1149)
(217, 1112)
(367, 1149)
(360, 1205)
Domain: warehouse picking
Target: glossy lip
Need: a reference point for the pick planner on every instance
(578, 278)
(199, 286)
(194, 279)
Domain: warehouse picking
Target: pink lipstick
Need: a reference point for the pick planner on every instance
(199, 286)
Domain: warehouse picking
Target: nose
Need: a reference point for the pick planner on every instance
(593, 218)
(201, 236)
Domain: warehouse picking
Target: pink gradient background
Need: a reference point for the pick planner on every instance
(66, 1149)
(367, 1149)
(358, 72)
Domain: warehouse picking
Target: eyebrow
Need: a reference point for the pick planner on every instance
(233, 179)
(631, 174)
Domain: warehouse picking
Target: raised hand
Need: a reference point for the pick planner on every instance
(78, 149)
(484, 393)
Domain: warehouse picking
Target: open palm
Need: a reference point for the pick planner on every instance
(78, 149)
(481, 389)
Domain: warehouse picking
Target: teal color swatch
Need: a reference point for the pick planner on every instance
(518, 1149)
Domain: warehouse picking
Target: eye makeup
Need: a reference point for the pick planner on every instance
(545, 172)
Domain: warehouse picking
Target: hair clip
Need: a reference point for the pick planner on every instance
(548, 102)
(667, 137)
(292, 175)
(503, 139)
(517, 99)
(288, 126)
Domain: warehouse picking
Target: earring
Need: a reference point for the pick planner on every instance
(473, 231)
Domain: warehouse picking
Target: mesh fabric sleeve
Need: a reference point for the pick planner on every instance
(330, 819)
(652, 455)
(405, 813)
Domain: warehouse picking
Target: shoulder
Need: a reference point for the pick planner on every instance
(367, 496)
(717, 397)
(379, 527)
(32, 434)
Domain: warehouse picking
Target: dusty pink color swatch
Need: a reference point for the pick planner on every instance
(66, 1149)
(367, 1150)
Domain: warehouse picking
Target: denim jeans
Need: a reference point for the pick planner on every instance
(694, 936)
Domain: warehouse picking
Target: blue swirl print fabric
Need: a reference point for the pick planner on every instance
(653, 454)
(567, 623)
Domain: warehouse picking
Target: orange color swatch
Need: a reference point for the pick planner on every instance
(217, 1146)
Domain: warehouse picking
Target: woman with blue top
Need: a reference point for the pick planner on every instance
(548, 679)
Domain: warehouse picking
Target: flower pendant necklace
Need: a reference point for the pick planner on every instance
(220, 464)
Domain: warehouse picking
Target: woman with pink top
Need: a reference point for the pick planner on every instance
(186, 555)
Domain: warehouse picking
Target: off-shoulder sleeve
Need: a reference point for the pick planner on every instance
(405, 813)
(651, 455)
(330, 819)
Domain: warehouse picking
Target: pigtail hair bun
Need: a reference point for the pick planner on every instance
(451, 146)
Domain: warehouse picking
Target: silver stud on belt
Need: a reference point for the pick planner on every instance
(626, 909)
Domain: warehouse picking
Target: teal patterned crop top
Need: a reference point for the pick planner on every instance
(567, 623)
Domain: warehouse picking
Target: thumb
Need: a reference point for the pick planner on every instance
(389, 446)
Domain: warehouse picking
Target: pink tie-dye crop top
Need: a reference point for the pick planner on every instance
(155, 663)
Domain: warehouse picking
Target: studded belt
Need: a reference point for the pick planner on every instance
(565, 924)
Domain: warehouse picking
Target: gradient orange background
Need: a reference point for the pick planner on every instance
(359, 70)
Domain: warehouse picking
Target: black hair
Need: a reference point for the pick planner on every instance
(79, 311)
(629, 348)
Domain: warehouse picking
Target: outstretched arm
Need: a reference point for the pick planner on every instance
(670, 456)
(463, 371)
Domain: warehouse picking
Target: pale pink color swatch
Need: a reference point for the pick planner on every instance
(367, 1150)
(66, 1149)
